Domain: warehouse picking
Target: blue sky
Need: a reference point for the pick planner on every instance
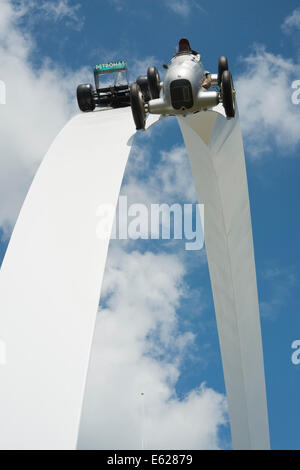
(57, 48)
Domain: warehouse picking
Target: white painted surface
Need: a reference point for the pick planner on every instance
(50, 281)
(216, 153)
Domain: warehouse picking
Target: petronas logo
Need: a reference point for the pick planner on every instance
(110, 66)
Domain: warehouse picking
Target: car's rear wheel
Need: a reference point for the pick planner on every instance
(85, 97)
(222, 66)
(228, 94)
(153, 82)
(137, 106)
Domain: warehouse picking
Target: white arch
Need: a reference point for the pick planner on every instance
(50, 279)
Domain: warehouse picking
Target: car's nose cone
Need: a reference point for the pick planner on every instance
(181, 94)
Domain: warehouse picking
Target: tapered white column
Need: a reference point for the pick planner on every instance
(50, 281)
(216, 154)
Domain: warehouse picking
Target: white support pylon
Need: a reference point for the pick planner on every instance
(215, 148)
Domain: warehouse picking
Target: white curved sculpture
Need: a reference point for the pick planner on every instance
(50, 282)
(216, 154)
(51, 276)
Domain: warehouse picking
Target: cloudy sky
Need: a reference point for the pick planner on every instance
(170, 351)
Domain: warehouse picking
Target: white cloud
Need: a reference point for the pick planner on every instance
(46, 98)
(118, 4)
(138, 348)
(182, 7)
(53, 10)
(140, 66)
(278, 285)
(169, 180)
(60, 9)
(38, 104)
(270, 274)
(291, 22)
(268, 115)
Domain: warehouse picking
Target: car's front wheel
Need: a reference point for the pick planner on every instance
(137, 106)
(85, 97)
(222, 66)
(153, 82)
(228, 94)
(143, 83)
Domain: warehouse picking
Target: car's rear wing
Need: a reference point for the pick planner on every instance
(110, 67)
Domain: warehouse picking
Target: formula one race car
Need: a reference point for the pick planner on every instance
(187, 88)
(113, 94)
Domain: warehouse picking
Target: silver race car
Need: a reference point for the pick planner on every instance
(187, 88)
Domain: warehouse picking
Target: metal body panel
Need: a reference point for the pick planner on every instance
(185, 67)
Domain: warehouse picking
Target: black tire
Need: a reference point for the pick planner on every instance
(85, 97)
(222, 66)
(228, 94)
(153, 82)
(142, 81)
(137, 106)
